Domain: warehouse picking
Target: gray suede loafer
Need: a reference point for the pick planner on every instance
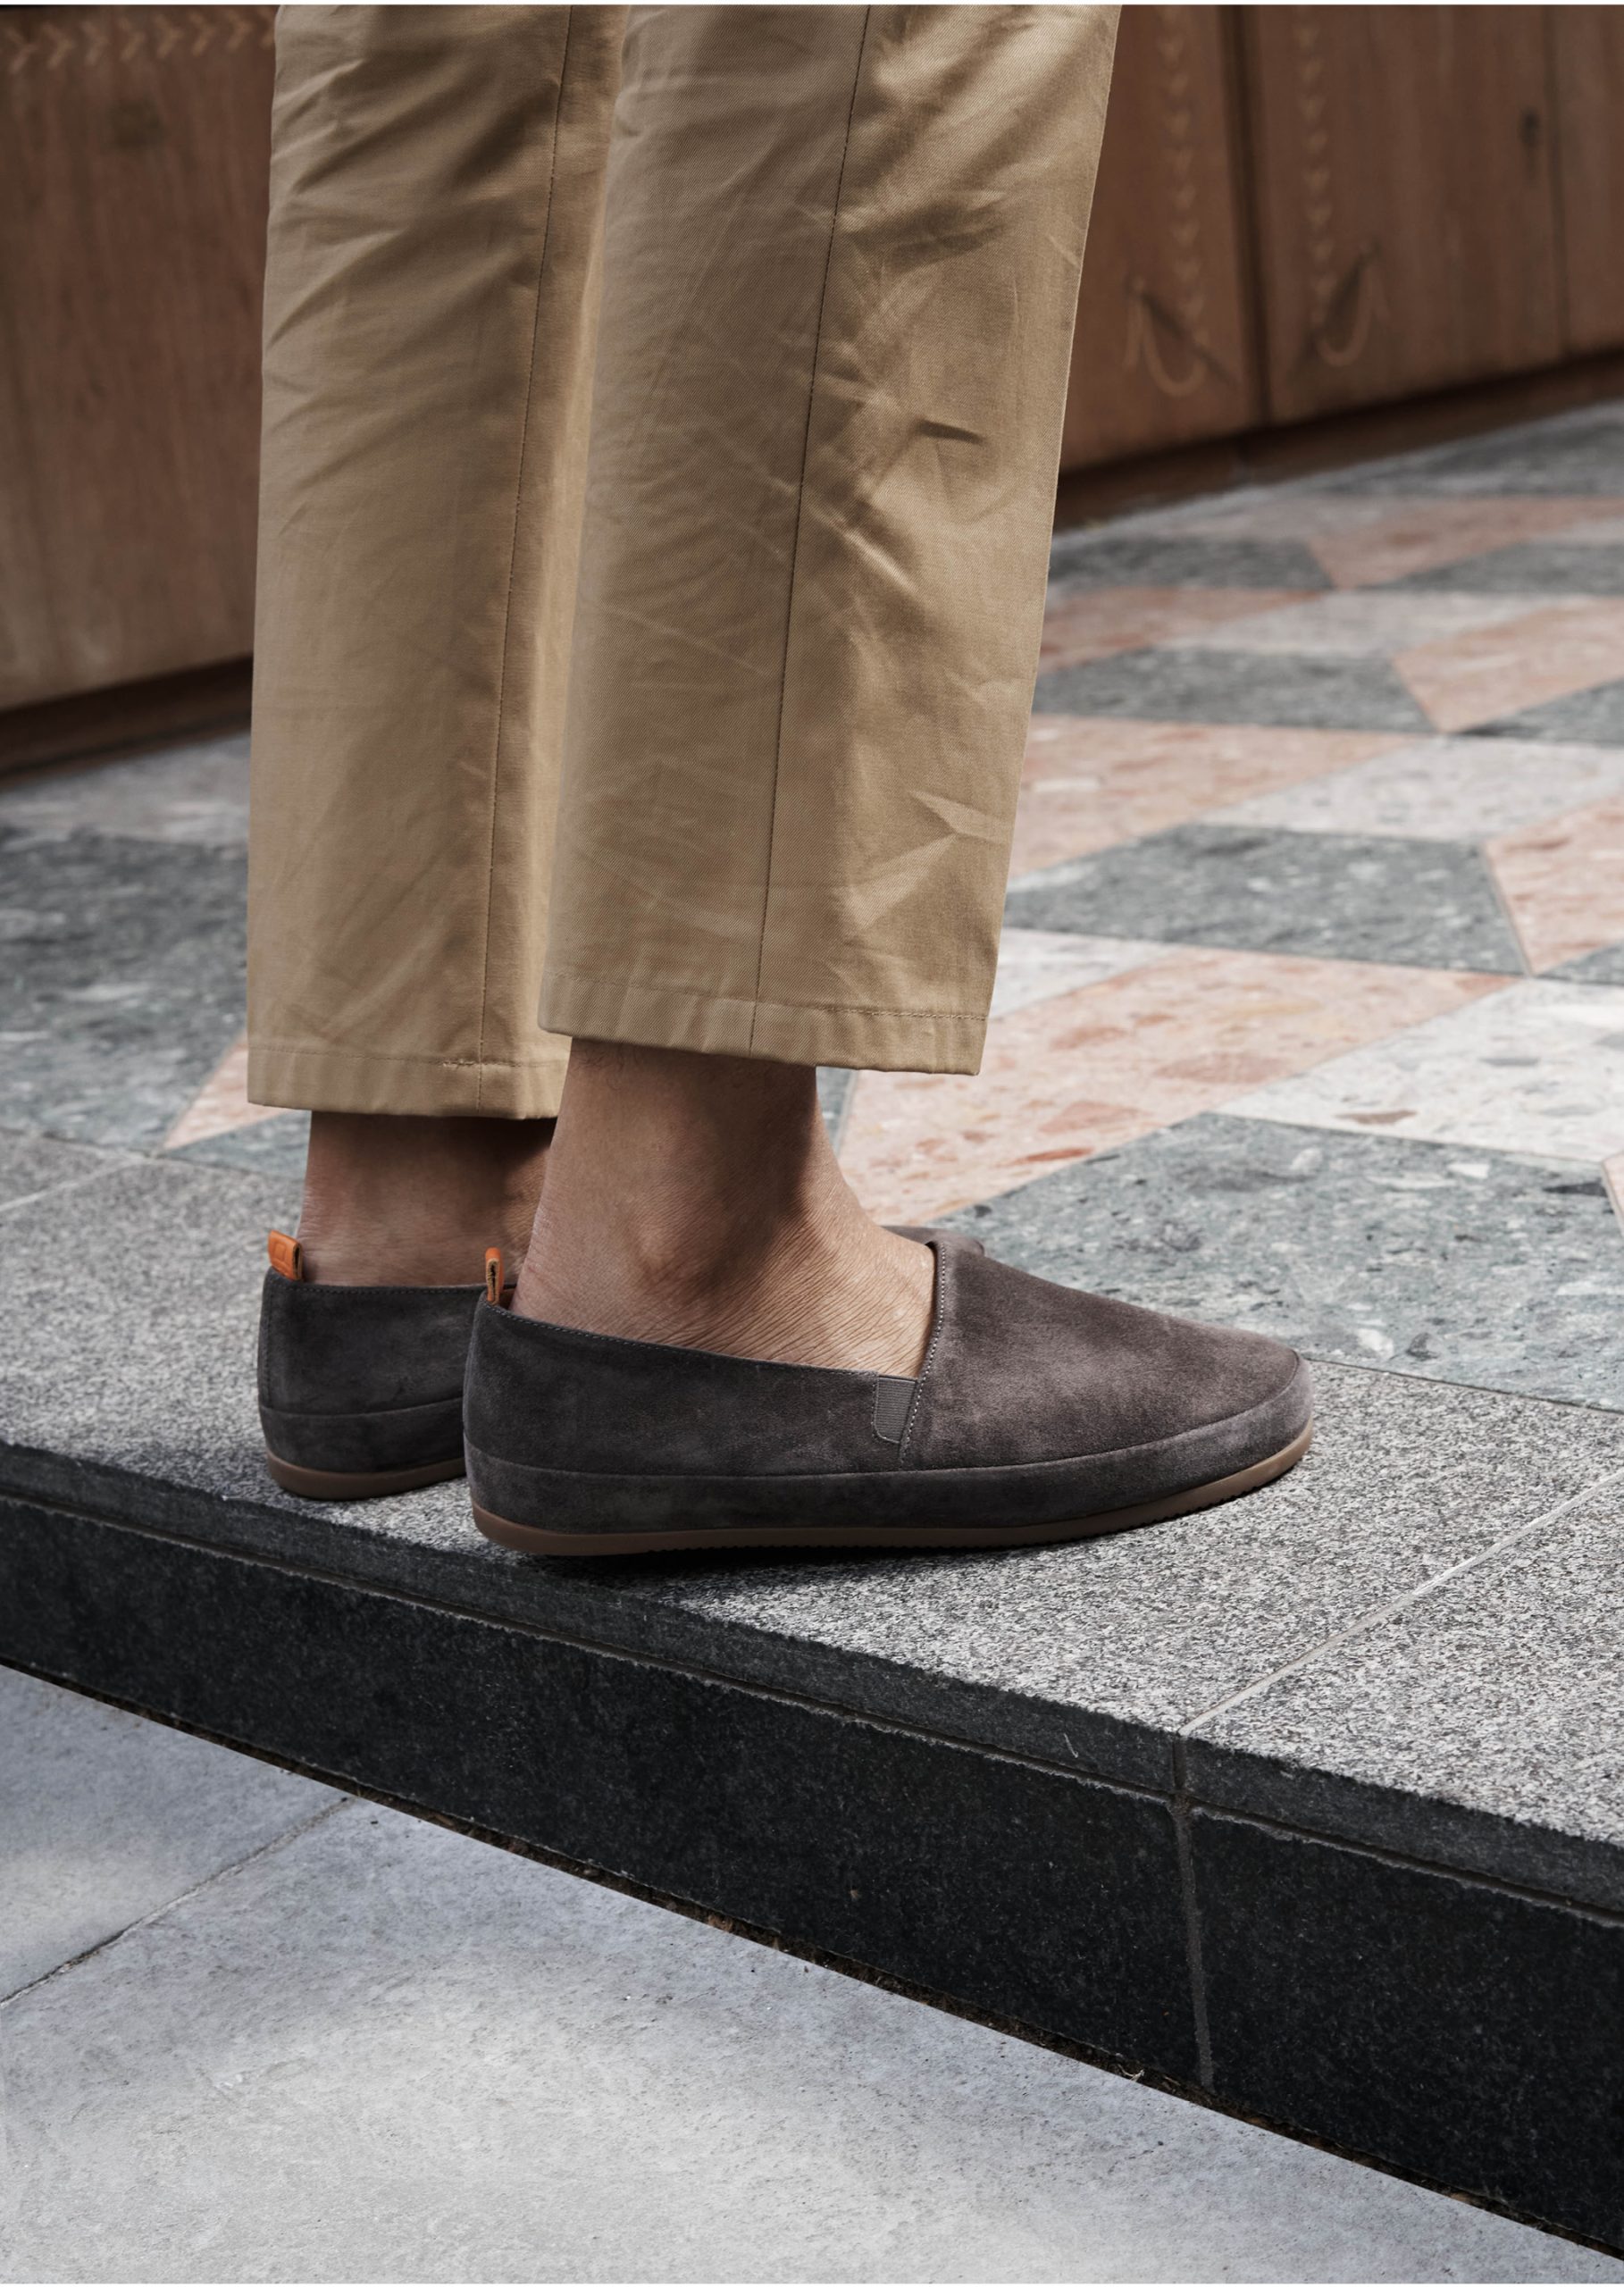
(360, 1387)
(1040, 1414)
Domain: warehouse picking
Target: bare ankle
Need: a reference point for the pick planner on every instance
(695, 1200)
(398, 1200)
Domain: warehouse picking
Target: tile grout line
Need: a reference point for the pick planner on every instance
(1374, 1620)
(145, 1921)
(1194, 1967)
(74, 1182)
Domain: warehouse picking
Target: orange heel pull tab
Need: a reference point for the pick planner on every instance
(286, 1255)
(493, 1276)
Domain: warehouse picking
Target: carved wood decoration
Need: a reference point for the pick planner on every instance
(134, 148)
(1162, 351)
(1406, 203)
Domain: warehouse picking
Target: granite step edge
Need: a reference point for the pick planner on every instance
(1456, 1837)
(1431, 1830)
(580, 1604)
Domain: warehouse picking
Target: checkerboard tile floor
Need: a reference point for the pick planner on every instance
(1311, 1008)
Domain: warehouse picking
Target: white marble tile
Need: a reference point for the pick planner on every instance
(1359, 624)
(1442, 789)
(1538, 1067)
(193, 793)
(1039, 964)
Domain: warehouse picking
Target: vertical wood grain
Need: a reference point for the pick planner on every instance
(134, 150)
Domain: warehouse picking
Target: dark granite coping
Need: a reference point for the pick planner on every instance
(1359, 1650)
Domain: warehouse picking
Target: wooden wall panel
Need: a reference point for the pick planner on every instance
(134, 148)
(1163, 348)
(1406, 207)
(1586, 58)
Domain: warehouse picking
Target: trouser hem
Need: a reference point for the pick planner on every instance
(322, 1079)
(865, 1039)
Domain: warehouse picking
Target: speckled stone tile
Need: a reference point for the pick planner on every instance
(1445, 790)
(123, 980)
(1605, 966)
(1578, 453)
(1498, 1693)
(1080, 560)
(1099, 621)
(191, 793)
(1356, 622)
(1089, 784)
(1453, 1262)
(272, 1146)
(1040, 964)
(1330, 693)
(1563, 882)
(221, 1104)
(1538, 1067)
(1593, 717)
(1525, 662)
(144, 1408)
(1072, 1076)
(1548, 567)
(1340, 896)
(35, 1167)
(1401, 540)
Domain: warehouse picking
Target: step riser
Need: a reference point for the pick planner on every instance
(1447, 2027)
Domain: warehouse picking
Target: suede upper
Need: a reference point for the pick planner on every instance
(363, 1377)
(1033, 1400)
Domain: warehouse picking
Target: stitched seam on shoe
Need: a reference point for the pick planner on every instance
(513, 554)
(943, 1277)
(800, 500)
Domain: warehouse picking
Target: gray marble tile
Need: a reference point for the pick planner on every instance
(105, 1818)
(1440, 1259)
(1081, 560)
(1341, 896)
(270, 1147)
(1328, 691)
(1579, 453)
(191, 793)
(1605, 966)
(122, 984)
(33, 1167)
(144, 1408)
(1593, 717)
(1532, 568)
(438, 2044)
(1498, 1693)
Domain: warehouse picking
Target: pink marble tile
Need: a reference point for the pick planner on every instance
(1090, 782)
(1563, 882)
(1417, 535)
(1121, 619)
(1494, 671)
(1064, 1078)
(222, 1103)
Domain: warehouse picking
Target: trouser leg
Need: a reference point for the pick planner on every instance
(429, 319)
(843, 254)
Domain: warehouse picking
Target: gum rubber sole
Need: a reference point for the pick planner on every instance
(356, 1485)
(535, 1540)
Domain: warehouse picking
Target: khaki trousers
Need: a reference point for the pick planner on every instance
(660, 676)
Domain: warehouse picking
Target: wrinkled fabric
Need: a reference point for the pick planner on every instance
(783, 552)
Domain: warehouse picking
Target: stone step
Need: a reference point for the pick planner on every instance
(1313, 1807)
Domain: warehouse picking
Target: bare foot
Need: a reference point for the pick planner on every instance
(406, 1202)
(695, 1199)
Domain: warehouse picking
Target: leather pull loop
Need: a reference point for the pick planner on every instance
(287, 1256)
(493, 1276)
